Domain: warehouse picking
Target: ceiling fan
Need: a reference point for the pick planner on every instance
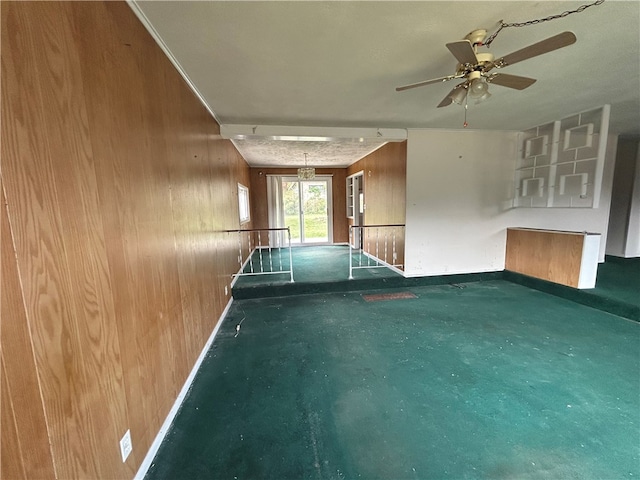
(475, 67)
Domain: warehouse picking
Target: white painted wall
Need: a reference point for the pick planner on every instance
(624, 220)
(633, 235)
(459, 188)
(593, 220)
(633, 239)
(459, 202)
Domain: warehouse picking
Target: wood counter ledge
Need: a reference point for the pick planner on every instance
(564, 257)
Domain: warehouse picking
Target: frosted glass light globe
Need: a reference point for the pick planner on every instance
(478, 88)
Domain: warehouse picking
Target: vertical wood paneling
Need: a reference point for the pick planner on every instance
(259, 205)
(40, 238)
(549, 255)
(385, 180)
(72, 163)
(113, 77)
(12, 460)
(24, 444)
(117, 188)
(385, 172)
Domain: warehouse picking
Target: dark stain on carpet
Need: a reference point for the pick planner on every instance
(378, 297)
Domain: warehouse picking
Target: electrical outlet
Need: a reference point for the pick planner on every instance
(226, 290)
(126, 446)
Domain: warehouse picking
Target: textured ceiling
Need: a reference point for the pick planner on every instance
(336, 64)
(336, 153)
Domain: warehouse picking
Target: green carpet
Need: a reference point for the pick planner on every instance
(619, 279)
(617, 287)
(482, 380)
(322, 264)
(317, 269)
(325, 270)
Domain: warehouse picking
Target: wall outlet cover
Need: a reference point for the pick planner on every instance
(126, 446)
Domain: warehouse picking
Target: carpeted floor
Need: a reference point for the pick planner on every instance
(325, 269)
(478, 380)
(619, 279)
(318, 264)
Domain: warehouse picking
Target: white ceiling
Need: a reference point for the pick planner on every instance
(337, 63)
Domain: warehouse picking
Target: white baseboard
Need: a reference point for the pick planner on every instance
(153, 450)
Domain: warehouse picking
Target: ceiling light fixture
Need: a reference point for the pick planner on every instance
(478, 88)
(306, 173)
(483, 97)
(459, 95)
(475, 87)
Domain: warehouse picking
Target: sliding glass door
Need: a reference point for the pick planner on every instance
(307, 209)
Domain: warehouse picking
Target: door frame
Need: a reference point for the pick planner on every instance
(357, 217)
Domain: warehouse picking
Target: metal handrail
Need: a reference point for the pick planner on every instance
(377, 261)
(259, 247)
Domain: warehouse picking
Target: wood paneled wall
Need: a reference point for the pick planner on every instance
(24, 447)
(550, 255)
(116, 186)
(259, 204)
(385, 187)
(385, 180)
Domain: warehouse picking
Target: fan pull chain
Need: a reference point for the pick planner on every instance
(581, 8)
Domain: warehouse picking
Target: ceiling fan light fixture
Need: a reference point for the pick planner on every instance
(483, 97)
(475, 66)
(478, 88)
(459, 95)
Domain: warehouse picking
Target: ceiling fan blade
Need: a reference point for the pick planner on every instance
(463, 51)
(427, 82)
(446, 101)
(550, 44)
(511, 81)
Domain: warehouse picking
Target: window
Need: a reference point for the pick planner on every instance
(243, 203)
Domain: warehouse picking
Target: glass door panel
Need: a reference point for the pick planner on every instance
(292, 212)
(307, 205)
(315, 224)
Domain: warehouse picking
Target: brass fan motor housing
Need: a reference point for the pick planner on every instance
(476, 37)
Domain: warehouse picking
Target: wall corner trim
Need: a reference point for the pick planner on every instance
(153, 449)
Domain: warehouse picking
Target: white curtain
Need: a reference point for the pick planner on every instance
(276, 210)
